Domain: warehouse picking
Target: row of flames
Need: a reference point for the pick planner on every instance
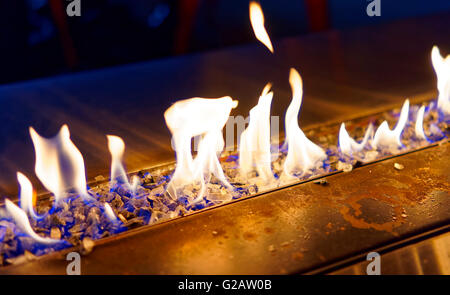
(60, 165)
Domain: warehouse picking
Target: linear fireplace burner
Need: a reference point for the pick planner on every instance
(388, 199)
(296, 229)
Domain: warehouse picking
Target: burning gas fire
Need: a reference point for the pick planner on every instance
(348, 145)
(303, 155)
(26, 196)
(254, 151)
(21, 219)
(420, 133)
(391, 139)
(257, 21)
(59, 164)
(116, 147)
(442, 69)
(198, 117)
(199, 178)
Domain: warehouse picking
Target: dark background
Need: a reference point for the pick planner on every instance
(38, 39)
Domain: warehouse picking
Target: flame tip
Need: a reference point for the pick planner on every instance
(257, 22)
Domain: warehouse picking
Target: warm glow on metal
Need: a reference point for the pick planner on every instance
(116, 147)
(303, 155)
(21, 220)
(391, 139)
(257, 20)
(59, 164)
(442, 69)
(254, 149)
(198, 117)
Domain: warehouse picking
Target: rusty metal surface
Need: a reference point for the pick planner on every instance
(293, 230)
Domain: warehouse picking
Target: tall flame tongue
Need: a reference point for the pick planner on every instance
(348, 145)
(442, 69)
(59, 164)
(116, 147)
(198, 117)
(391, 139)
(21, 220)
(257, 20)
(303, 155)
(254, 150)
(26, 195)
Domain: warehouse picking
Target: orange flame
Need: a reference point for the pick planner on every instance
(27, 195)
(303, 155)
(442, 69)
(391, 139)
(257, 21)
(59, 164)
(197, 117)
(21, 220)
(254, 150)
(348, 145)
(116, 147)
(420, 133)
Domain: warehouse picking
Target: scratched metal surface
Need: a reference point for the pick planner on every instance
(293, 230)
(345, 73)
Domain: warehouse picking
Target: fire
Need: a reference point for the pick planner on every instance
(442, 69)
(419, 124)
(198, 117)
(391, 139)
(135, 182)
(254, 150)
(109, 212)
(116, 147)
(303, 155)
(26, 195)
(348, 145)
(21, 220)
(59, 164)
(257, 21)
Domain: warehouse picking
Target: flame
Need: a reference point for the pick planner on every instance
(254, 147)
(116, 147)
(257, 20)
(419, 124)
(59, 164)
(109, 212)
(348, 145)
(303, 154)
(26, 196)
(197, 117)
(21, 220)
(135, 182)
(442, 69)
(391, 139)
(207, 160)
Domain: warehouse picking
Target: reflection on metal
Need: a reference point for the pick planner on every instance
(428, 257)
